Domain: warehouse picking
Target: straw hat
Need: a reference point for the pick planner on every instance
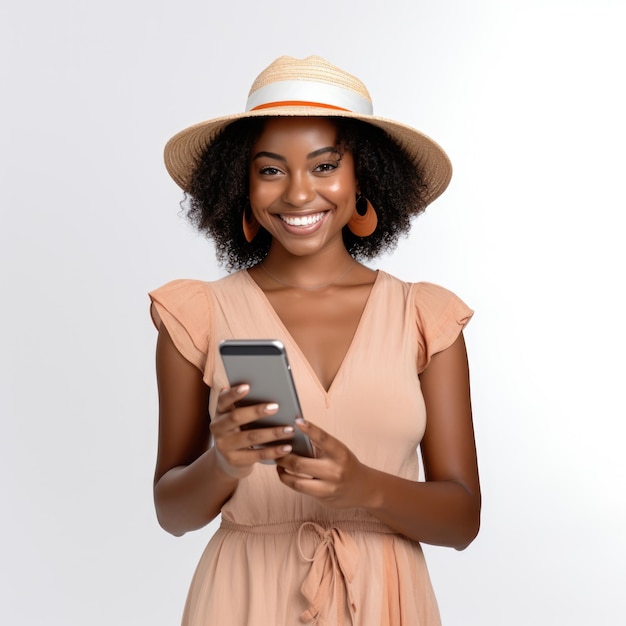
(309, 87)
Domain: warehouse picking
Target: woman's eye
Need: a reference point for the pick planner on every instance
(269, 171)
(326, 167)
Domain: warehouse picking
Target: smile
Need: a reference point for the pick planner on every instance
(304, 220)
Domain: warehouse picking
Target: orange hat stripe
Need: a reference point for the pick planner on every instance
(297, 103)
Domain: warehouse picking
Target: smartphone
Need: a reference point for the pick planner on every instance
(263, 364)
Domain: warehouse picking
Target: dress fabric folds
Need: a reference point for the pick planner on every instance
(282, 558)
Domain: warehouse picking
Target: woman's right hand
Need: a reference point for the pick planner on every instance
(238, 450)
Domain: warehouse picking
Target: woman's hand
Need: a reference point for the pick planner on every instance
(238, 450)
(335, 476)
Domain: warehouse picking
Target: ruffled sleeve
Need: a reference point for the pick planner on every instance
(183, 307)
(441, 316)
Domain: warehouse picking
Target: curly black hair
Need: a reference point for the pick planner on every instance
(218, 191)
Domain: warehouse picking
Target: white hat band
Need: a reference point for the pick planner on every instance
(308, 93)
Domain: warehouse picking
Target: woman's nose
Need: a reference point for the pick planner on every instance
(299, 189)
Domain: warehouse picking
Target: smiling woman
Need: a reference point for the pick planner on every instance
(219, 185)
(296, 192)
(301, 185)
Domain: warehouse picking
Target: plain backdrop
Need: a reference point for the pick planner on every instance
(528, 100)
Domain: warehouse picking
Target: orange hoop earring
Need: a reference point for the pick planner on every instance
(250, 228)
(364, 221)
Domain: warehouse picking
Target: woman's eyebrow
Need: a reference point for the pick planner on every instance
(269, 155)
(279, 157)
(316, 153)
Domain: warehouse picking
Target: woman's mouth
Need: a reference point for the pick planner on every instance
(302, 220)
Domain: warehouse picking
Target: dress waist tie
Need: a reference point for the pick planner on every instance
(333, 564)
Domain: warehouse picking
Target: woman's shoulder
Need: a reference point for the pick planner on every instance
(189, 300)
(423, 293)
(181, 285)
(437, 306)
(185, 288)
(428, 292)
(185, 308)
(439, 315)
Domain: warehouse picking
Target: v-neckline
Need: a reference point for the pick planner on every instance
(296, 347)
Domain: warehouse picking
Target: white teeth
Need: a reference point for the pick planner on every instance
(305, 220)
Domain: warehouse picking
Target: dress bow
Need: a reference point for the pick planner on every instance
(333, 566)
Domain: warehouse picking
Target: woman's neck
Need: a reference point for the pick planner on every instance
(309, 273)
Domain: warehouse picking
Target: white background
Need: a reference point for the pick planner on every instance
(526, 97)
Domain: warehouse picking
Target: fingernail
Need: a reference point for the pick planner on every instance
(242, 388)
(288, 430)
(285, 448)
(271, 407)
(300, 421)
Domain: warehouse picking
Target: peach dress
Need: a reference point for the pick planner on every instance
(281, 558)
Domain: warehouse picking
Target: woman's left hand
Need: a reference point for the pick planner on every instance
(335, 476)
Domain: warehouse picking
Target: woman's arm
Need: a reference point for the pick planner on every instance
(189, 489)
(193, 479)
(444, 510)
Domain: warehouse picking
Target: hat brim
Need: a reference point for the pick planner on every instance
(184, 150)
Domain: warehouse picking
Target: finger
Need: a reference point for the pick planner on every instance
(255, 437)
(296, 465)
(237, 417)
(229, 395)
(326, 444)
(249, 456)
(302, 483)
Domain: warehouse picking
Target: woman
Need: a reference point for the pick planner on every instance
(293, 192)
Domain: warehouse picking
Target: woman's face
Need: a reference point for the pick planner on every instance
(302, 189)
